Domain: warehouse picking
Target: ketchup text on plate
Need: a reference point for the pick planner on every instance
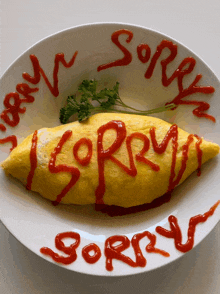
(13, 101)
(92, 252)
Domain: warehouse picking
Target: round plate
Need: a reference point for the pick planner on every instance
(32, 219)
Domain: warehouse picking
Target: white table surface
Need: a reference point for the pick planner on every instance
(195, 23)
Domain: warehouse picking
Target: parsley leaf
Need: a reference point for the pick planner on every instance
(106, 99)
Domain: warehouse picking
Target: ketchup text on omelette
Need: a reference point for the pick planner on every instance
(107, 159)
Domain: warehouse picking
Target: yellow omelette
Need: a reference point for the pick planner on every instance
(116, 159)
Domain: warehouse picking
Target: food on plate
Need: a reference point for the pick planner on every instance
(83, 106)
(113, 159)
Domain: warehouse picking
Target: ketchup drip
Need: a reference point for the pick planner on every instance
(175, 231)
(63, 168)
(33, 160)
(70, 251)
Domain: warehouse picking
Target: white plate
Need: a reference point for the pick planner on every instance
(33, 220)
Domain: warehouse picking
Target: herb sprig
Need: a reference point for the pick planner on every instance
(106, 99)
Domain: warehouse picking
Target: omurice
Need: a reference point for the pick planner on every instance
(114, 159)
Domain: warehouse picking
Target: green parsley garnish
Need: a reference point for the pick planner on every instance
(106, 100)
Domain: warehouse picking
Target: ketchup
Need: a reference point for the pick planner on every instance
(38, 72)
(114, 251)
(13, 101)
(175, 232)
(127, 55)
(116, 244)
(185, 68)
(96, 253)
(11, 117)
(33, 160)
(70, 251)
(53, 168)
(86, 160)
(119, 126)
(12, 139)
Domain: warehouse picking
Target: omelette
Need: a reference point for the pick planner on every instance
(113, 159)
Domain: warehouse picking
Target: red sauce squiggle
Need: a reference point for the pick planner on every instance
(62, 167)
(127, 55)
(186, 67)
(86, 160)
(172, 135)
(179, 74)
(202, 106)
(38, 71)
(33, 160)
(140, 156)
(199, 154)
(173, 53)
(12, 139)
(185, 151)
(91, 248)
(12, 101)
(2, 128)
(103, 155)
(175, 232)
(14, 108)
(70, 251)
(143, 47)
(114, 251)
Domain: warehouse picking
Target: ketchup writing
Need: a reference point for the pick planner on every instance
(175, 232)
(13, 100)
(127, 55)
(116, 244)
(92, 253)
(114, 251)
(70, 251)
(119, 126)
(185, 68)
(38, 71)
(53, 168)
(33, 160)
(103, 155)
